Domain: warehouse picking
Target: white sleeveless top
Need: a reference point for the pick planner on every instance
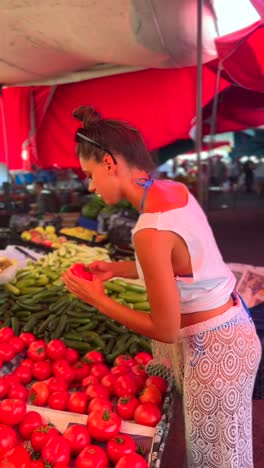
(212, 281)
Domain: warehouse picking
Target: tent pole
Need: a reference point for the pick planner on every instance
(199, 99)
(5, 134)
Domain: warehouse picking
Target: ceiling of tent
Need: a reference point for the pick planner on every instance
(49, 39)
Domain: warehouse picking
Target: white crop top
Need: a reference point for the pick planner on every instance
(212, 281)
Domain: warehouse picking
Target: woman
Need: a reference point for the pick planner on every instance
(210, 337)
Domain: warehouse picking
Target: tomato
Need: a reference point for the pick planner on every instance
(71, 355)
(1, 363)
(41, 370)
(93, 357)
(37, 464)
(125, 385)
(56, 449)
(17, 457)
(124, 360)
(139, 370)
(126, 407)
(81, 370)
(103, 424)
(23, 373)
(151, 394)
(60, 465)
(77, 402)
(41, 434)
(57, 385)
(97, 391)
(143, 358)
(56, 349)
(108, 382)
(8, 437)
(147, 414)
(28, 338)
(59, 400)
(61, 369)
(12, 411)
(132, 460)
(78, 438)
(120, 445)
(140, 381)
(37, 350)
(92, 456)
(89, 380)
(31, 421)
(120, 370)
(6, 334)
(99, 370)
(17, 343)
(159, 382)
(97, 404)
(82, 271)
(3, 387)
(7, 352)
(27, 363)
(11, 380)
(18, 392)
(39, 393)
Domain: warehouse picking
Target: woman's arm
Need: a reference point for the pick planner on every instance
(125, 269)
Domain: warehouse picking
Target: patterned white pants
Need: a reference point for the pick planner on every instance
(215, 365)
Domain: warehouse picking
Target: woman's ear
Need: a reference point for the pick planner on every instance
(109, 163)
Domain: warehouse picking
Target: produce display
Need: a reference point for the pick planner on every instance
(83, 234)
(53, 375)
(37, 301)
(45, 236)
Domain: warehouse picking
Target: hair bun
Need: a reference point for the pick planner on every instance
(87, 115)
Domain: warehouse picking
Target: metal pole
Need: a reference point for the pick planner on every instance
(199, 99)
(5, 139)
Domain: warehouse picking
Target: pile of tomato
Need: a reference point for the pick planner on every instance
(53, 375)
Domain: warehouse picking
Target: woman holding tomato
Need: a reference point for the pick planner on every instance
(209, 335)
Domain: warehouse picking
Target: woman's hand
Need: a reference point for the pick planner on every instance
(88, 291)
(102, 270)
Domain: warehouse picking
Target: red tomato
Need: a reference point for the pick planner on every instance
(11, 380)
(12, 411)
(126, 407)
(3, 387)
(158, 382)
(28, 338)
(37, 350)
(7, 352)
(104, 424)
(17, 343)
(124, 360)
(81, 370)
(6, 334)
(92, 456)
(77, 402)
(78, 438)
(99, 370)
(8, 437)
(41, 370)
(56, 349)
(60, 465)
(125, 385)
(57, 385)
(39, 393)
(132, 460)
(59, 400)
(147, 414)
(97, 404)
(120, 445)
(31, 421)
(108, 382)
(61, 369)
(139, 381)
(18, 392)
(93, 357)
(89, 380)
(37, 464)
(56, 449)
(17, 457)
(23, 373)
(27, 362)
(143, 358)
(82, 271)
(120, 370)
(71, 355)
(97, 391)
(151, 394)
(1, 363)
(139, 370)
(41, 434)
